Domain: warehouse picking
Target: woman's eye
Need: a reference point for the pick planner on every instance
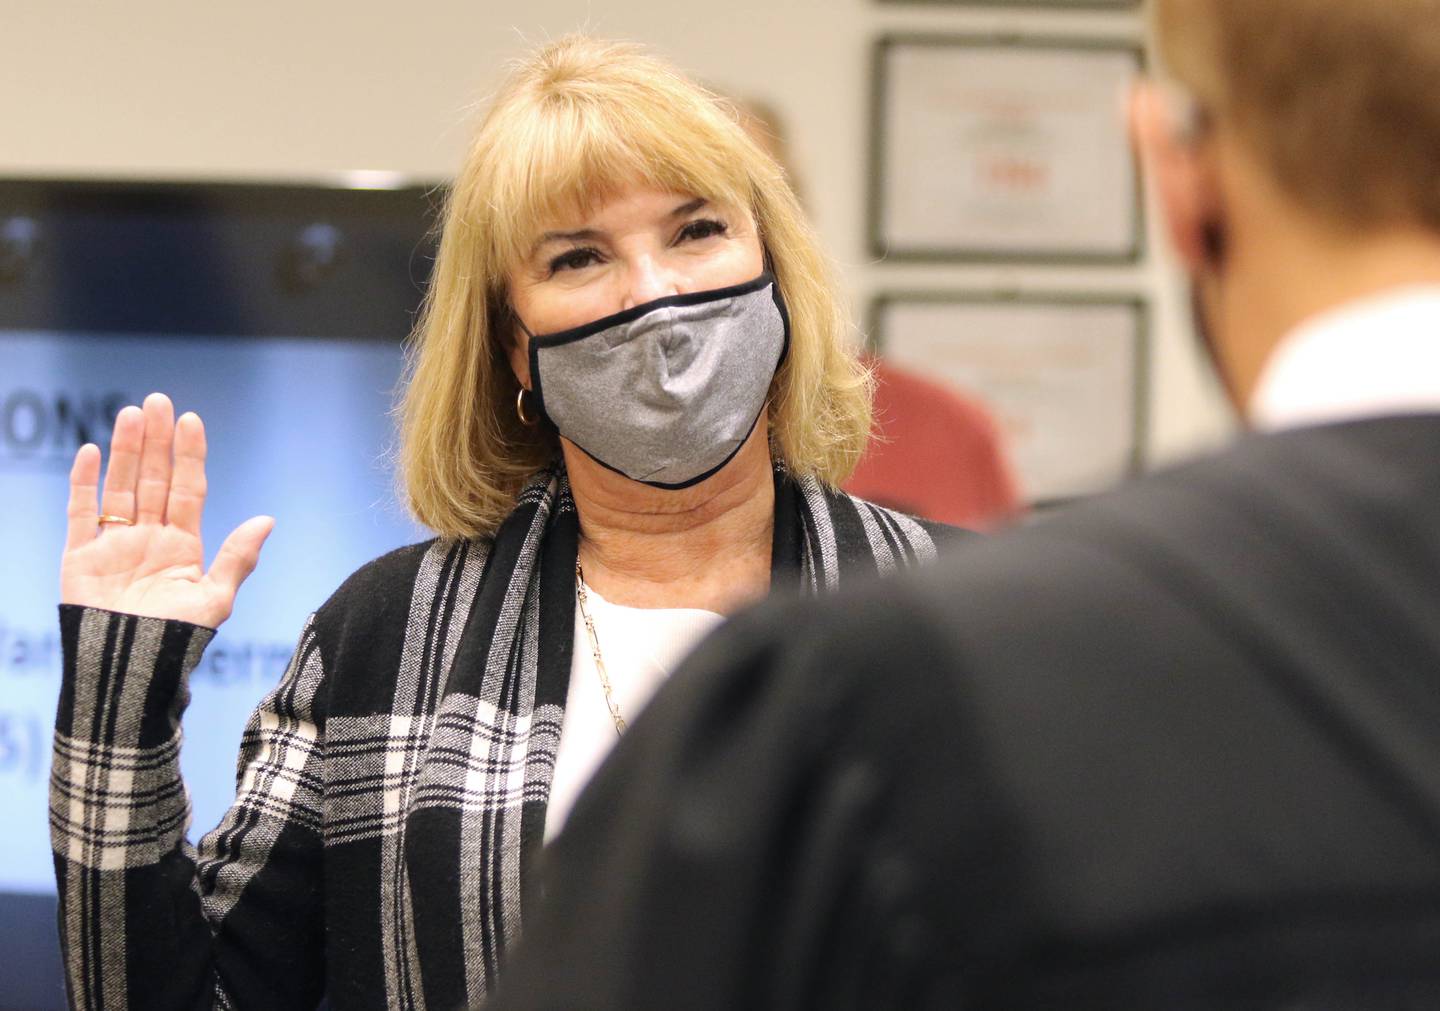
(574, 260)
(702, 228)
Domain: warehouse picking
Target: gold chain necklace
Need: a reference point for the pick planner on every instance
(595, 649)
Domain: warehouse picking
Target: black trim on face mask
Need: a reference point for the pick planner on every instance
(779, 301)
(551, 340)
(681, 485)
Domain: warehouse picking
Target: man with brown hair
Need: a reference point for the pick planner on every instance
(1177, 748)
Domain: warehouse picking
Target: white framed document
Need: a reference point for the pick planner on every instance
(1003, 148)
(1063, 375)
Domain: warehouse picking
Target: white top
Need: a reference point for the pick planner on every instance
(1377, 356)
(640, 646)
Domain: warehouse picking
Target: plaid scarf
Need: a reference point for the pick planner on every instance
(392, 788)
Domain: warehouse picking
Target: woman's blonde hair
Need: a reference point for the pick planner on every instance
(575, 122)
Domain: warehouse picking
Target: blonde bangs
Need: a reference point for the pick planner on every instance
(559, 154)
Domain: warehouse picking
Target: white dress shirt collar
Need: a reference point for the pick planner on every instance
(1378, 356)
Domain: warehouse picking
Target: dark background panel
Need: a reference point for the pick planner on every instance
(83, 261)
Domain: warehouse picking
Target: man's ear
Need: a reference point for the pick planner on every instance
(1182, 177)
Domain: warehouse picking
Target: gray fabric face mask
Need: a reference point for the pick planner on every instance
(667, 392)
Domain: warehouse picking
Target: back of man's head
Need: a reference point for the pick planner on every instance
(1340, 99)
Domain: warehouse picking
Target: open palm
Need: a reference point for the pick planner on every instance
(155, 567)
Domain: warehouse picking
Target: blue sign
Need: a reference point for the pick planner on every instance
(297, 428)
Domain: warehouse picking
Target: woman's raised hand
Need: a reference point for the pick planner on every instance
(154, 566)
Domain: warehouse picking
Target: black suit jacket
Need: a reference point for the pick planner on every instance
(1177, 748)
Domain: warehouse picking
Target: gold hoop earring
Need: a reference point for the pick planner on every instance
(526, 419)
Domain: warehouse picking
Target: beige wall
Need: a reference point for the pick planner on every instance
(307, 88)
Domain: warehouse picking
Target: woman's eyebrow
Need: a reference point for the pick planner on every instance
(589, 234)
(689, 207)
(582, 235)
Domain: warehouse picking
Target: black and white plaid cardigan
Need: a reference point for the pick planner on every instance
(391, 789)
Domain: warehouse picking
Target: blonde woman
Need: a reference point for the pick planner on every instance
(629, 403)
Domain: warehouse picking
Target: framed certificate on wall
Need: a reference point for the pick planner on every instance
(1003, 149)
(1064, 375)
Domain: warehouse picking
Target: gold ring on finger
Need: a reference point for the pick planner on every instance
(105, 520)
